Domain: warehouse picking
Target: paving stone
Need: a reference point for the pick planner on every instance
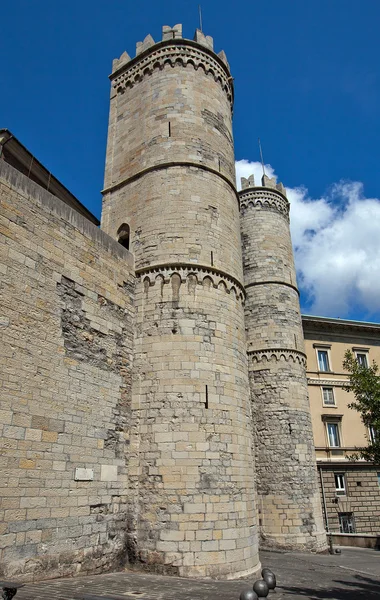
(353, 575)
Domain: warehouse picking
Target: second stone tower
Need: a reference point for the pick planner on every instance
(289, 510)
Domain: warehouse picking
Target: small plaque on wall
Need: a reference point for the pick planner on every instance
(82, 474)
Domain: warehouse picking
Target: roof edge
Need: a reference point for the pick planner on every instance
(41, 175)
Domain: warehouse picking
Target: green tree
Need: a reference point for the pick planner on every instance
(364, 382)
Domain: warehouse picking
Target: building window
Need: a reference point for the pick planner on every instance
(123, 235)
(333, 434)
(346, 523)
(378, 479)
(328, 396)
(373, 434)
(340, 484)
(361, 358)
(323, 360)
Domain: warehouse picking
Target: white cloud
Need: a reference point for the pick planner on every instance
(337, 247)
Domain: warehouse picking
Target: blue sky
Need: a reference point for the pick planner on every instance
(307, 81)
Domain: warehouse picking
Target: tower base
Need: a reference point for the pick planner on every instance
(294, 542)
(218, 572)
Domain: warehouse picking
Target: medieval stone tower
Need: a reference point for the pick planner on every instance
(170, 181)
(170, 194)
(287, 490)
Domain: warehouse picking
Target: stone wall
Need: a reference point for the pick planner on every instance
(67, 307)
(361, 499)
(289, 507)
(196, 511)
(187, 215)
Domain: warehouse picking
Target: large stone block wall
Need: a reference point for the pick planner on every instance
(288, 501)
(272, 311)
(361, 499)
(66, 333)
(178, 214)
(288, 504)
(197, 513)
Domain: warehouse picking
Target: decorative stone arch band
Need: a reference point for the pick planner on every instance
(218, 278)
(182, 53)
(264, 198)
(277, 354)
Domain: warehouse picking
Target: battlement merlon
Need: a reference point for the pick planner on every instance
(266, 181)
(169, 34)
(247, 183)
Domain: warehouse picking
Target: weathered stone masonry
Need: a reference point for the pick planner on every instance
(170, 144)
(286, 478)
(67, 310)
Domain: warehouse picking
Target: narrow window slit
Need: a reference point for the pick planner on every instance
(123, 235)
(170, 129)
(206, 400)
(212, 259)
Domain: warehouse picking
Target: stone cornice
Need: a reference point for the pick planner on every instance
(265, 198)
(166, 270)
(255, 283)
(170, 165)
(176, 52)
(327, 464)
(328, 382)
(313, 324)
(270, 354)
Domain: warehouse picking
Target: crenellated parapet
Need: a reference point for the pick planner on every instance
(269, 196)
(172, 50)
(267, 182)
(270, 182)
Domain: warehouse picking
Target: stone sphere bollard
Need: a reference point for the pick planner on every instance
(266, 570)
(261, 588)
(248, 594)
(270, 580)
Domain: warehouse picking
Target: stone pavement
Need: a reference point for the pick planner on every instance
(353, 575)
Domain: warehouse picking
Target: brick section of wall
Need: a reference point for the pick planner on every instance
(289, 505)
(363, 500)
(66, 352)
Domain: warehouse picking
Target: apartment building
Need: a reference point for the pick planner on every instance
(350, 489)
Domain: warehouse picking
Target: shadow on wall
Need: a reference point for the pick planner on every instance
(362, 588)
